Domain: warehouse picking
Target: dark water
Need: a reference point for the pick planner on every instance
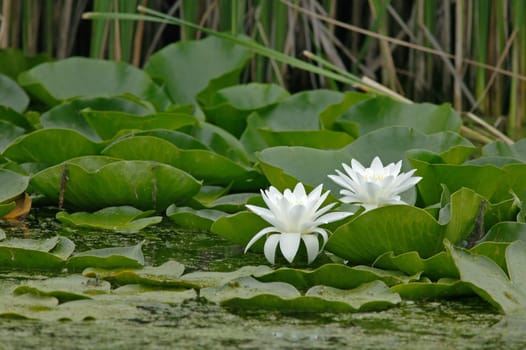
(453, 324)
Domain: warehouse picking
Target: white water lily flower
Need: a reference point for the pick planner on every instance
(375, 186)
(295, 217)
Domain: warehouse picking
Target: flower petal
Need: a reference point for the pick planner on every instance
(331, 217)
(270, 248)
(312, 246)
(289, 244)
(258, 235)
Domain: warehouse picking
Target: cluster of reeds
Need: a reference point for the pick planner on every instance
(469, 52)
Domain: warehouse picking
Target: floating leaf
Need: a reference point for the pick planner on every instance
(240, 228)
(22, 208)
(322, 139)
(205, 279)
(506, 232)
(51, 146)
(443, 288)
(12, 95)
(72, 287)
(26, 305)
(48, 254)
(195, 219)
(248, 293)
(12, 185)
(516, 151)
(167, 275)
(229, 107)
(382, 111)
(10, 132)
(97, 182)
(87, 77)
(434, 267)
(403, 228)
(489, 281)
(205, 165)
(68, 115)
(186, 70)
(108, 258)
(334, 275)
(119, 219)
(107, 124)
(232, 203)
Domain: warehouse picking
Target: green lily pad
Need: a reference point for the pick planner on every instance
(402, 228)
(229, 107)
(11, 185)
(72, 287)
(248, 293)
(434, 267)
(490, 282)
(201, 219)
(322, 139)
(55, 82)
(185, 68)
(108, 258)
(10, 132)
(382, 111)
(97, 182)
(119, 219)
(240, 228)
(167, 275)
(205, 279)
(107, 124)
(137, 294)
(443, 288)
(482, 179)
(26, 305)
(51, 146)
(35, 254)
(205, 165)
(506, 232)
(333, 111)
(232, 203)
(335, 275)
(516, 151)
(12, 95)
(68, 115)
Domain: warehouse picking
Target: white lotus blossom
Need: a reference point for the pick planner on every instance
(295, 217)
(375, 186)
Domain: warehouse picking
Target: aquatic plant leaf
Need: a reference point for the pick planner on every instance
(50, 146)
(10, 132)
(209, 279)
(442, 288)
(482, 179)
(138, 294)
(187, 217)
(185, 68)
(12, 185)
(229, 107)
(240, 228)
(232, 203)
(506, 232)
(119, 219)
(334, 275)
(73, 77)
(489, 281)
(68, 115)
(102, 307)
(12, 95)
(167, 275)
(35, 254)
(2, 235)
(26, 305)
(204, 165)
(22, 208)
(516, 151)
(248, 293)
(6, 208)
(403, 228)
(108, 258)
(98, 182)
(333, 111)
(322, 139)
(72, 287)
(299, 112)
(434, 267)
(382, 111)
(107, 124)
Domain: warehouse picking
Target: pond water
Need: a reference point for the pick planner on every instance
(445, 324)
